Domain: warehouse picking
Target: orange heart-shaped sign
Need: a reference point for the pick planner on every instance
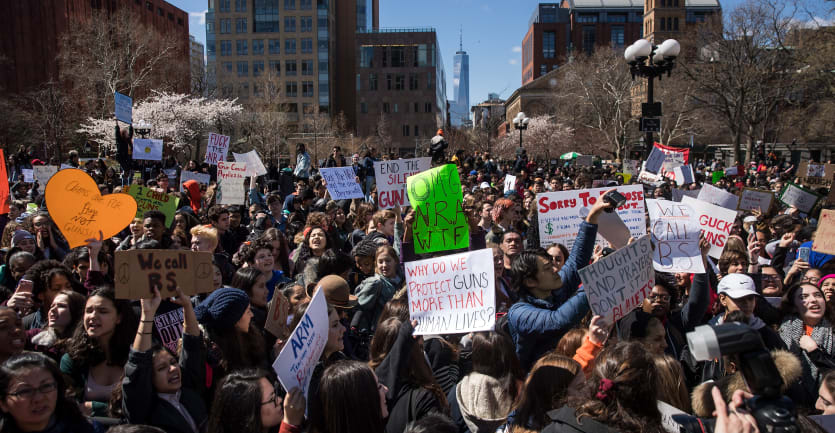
(80, 211)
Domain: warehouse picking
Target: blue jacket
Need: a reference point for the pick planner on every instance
(536, 325)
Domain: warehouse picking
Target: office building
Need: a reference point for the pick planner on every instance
(352, 16)
(664, 19)
(198, 66)
(400, 75)
(460, 106)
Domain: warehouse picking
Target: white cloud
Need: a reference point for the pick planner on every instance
(512, 61)
(517, 49)
(199, 15)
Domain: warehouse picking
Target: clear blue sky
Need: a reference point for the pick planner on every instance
(493, 32)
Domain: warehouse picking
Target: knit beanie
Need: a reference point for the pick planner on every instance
(222, 308)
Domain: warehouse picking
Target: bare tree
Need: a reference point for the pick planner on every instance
(49, 110)
(266, 122)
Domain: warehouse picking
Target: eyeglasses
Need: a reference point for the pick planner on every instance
(29, 393)
(655, 297)
(273, 399)
(769, 277)
(813, 280)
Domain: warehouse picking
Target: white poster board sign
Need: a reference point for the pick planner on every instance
(618, 283)
(216, 148)
(452, 294)
(230, 179)
(755, 199)
(391, 179)
(42, 174)
(123, 107)
(252, 160)
(201, 178)
(675, 233)
(667, 413)
(562, 212)
(718, 196)
(294, 365)
(716, 222)
(149, 149)
(798, 197)
(28, 175)
(342, 183)
(509, 183)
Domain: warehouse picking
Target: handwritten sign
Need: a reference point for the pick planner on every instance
(618, 283)
(631, 166)
(152, 199)
(216, 148)
(509, 183)
(42, 174)
(170, 328)
(123, 107)
(799, 197)
(440, 222)
(147, 148)
(201, 178)
(294, 365)
(675, 233)
(753, 199)
(562, 212)
(718, 196)
(342, 183)
(824, 241)
(80, 211)
(139, 271)
(253, 162)
(715, 221)
(230, 179)
(815, 175)
(452, 294)
(391, 179)
(28, 175)
(4, 185)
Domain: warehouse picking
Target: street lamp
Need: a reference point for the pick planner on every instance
(142, 128)
(521, 123)
(651, 61)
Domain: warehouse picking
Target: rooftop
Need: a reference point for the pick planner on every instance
(398, 30)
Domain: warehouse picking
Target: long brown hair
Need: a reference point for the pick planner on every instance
(336, 408)
(545, 389)
(671, 387)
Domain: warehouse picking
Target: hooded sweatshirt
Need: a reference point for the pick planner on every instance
(484, 402)
(194, 196)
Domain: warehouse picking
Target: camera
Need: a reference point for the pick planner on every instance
(773, 411)
(616, 198)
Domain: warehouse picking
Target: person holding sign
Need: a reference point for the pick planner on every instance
(549, 302)
(247, 401)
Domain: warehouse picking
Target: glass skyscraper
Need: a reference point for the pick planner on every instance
(460, 107)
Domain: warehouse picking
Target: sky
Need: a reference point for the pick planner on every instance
(492, 35)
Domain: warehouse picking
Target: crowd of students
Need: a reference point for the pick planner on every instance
(74, 358)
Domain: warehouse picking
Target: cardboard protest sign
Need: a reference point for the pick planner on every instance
(716, 222)
(138, 271)
(815, 175)
(216, 148)
(342, 183)
(4, 185)
(452, 294)
(391, 179)
(253, 162)
(509, 183)
(147, 148)
(440, 221)
(123, 107)
(201, 178)
(562, 212)
(170, 328)
(294, 365)
(718, 196)
(619, 282)
(799, 197)
(42, 174)
(753, 199)
(683, 174)
(825, 234)
(152, 199)
(675, 232)
(654, 161)
(230, 179)
(80, 211)
(585, 161)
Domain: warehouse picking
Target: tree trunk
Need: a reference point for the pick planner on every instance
(749, 145)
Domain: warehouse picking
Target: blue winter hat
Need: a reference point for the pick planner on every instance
(223, 308)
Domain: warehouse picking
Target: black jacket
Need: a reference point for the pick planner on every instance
(564, 420)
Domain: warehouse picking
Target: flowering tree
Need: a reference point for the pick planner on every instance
(544, 137)
(181, 120)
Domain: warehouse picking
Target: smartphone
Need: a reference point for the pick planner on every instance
(803, 253)
(615, 198)
(24, 286)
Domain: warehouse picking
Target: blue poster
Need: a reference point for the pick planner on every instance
(124, 107)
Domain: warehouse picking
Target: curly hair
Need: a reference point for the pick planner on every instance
(87, 351)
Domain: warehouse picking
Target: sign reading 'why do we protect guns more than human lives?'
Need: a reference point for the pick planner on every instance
(452, 294)
(440, 221)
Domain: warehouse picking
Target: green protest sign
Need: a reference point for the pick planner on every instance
(440, 222)
(718, 175)
(151, 199)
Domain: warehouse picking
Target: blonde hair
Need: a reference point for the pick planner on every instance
(670, 378)
(206, 232)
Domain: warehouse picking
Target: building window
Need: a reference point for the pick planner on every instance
(223, 5)
(266, 16)
(587, 18)
(275, 67)
(243, 91)
(289, 5)
(417, 107)
(240, 25)
(289, 24)
(617, 36)
(385, 107)
(241, 47)
(210, 27)
(413, 81)
(289, 46)
(306, 24)
(211, 51)
(150, 6)
(429, 81)
(417, 131)
(257, 68)
(225, 26)
(398, 57)
(292, 89)
(307, 89)
(427, 107)
(257, 46)
(170, 16)
(290, 68)
(675, 23)
(399, 82)
(388, 81)
(543, 69)
(549, 45)
(307, 67)
(366, 57)
(323, 67)
(363, 108)
(405, 130)
(305, 5)
(243, 69)
(396, 108)
(179, 21)
(228, 67)
(616, 18)
(372, 81)
(225, 48)
(240, 5)
(275, 46)
(307, 45)
(161, 12)
(589, 38)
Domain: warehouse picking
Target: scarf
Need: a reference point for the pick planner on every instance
(791, 330)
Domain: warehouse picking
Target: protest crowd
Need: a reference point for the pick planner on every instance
(357, 294)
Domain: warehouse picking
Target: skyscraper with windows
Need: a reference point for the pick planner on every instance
(459, 111)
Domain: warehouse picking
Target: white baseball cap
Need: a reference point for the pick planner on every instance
(737, 286)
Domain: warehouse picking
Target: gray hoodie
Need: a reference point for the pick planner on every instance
(484, 402)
